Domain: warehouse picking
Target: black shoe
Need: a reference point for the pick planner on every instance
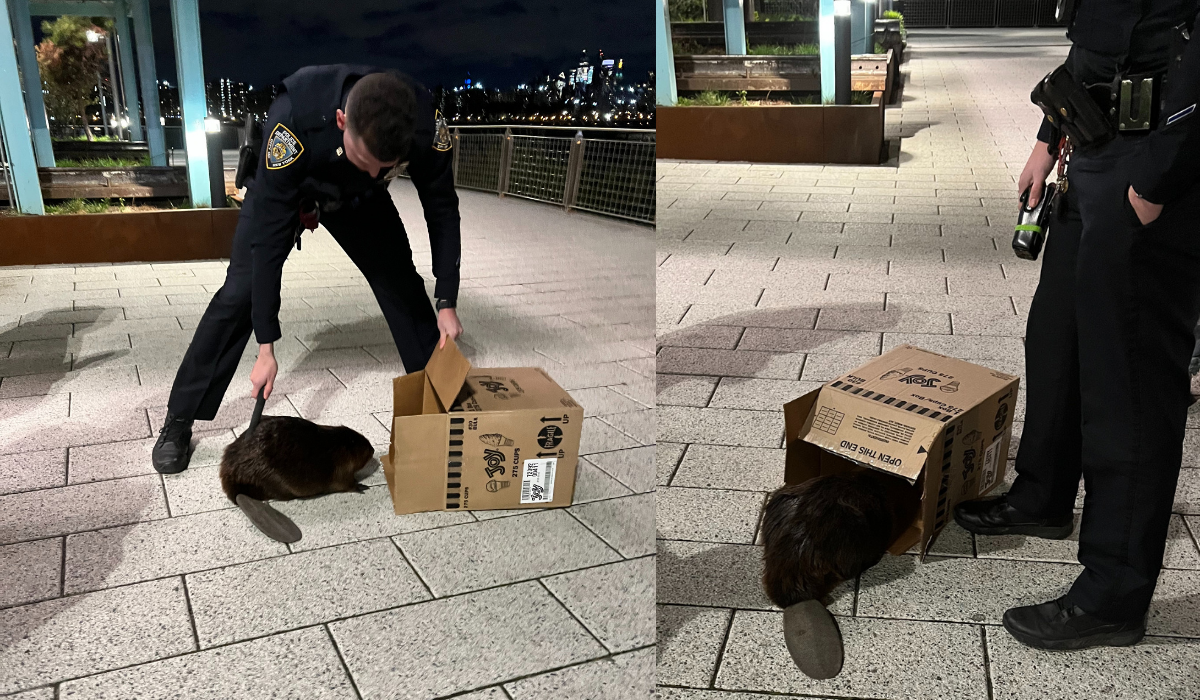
(173, 449)
(994, 516)
(1060, 624)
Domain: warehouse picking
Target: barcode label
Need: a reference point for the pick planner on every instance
(991, 458)
(537, 480)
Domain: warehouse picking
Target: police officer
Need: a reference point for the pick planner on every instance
(332, 142)
(1109, 335)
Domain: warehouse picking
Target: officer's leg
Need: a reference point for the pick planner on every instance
(1048, 461)
(1138, 304)
(221, 336)
(373, 236)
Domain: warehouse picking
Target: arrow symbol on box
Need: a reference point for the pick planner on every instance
(921, 450)
(547, 454)
(548, 420)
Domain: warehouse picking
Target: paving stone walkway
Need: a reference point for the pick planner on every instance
(116, 582)
(773, 279)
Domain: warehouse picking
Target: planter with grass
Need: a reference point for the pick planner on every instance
(780, 129)
(79, 150)
(787, 68)
(79, 231)
(113, 181)
(710, 36)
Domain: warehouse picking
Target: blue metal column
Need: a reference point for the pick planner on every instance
(189, 64)
(14, 127)
(128, 85)
(32, 79)
(828, 72)
(858, 27)
(735, 28)
(148, 77)
(664, 58)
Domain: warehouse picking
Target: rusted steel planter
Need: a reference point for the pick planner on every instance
(713, 33)
(868, 72)
(774, 133)
(158, 236)
(101, 183)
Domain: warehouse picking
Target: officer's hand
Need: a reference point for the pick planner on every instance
(449, 326)
(1037, 169)
(1146, 211)
(263, 374)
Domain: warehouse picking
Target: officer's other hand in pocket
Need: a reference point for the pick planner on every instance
(1146, 211)
(449, 326)
(1037, 169)
(265, 369)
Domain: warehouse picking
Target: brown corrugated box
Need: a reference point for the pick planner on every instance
(480, 439)
(941, 424)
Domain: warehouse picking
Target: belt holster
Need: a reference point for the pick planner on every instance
(248, 153)
(1072, 109)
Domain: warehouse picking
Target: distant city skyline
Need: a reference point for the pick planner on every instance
(502, 43)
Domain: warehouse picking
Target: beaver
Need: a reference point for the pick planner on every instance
(818, 534)
(281, 458)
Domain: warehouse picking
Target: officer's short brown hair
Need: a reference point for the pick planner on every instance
(381, 110)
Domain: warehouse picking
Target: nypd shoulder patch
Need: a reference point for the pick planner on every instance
(283, 148)
(441, 139)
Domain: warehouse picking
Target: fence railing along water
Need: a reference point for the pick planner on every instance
(607, 171)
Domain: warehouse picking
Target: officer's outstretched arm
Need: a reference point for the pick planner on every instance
(1167, 163)
(272, 201)
(432, 173)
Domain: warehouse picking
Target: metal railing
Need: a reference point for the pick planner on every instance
(609, 171)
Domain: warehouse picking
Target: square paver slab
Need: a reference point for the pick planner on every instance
(707, 515)
(480, 555)
(79, 635)
(621, 677)
(58, 511)
(626, 524)
(300, 665)
(615, 601)
(30, 571)
(461, 643)
(269, 596)
(884, 659)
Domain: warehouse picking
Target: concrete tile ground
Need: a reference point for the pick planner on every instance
(772, 278)
(116, 582)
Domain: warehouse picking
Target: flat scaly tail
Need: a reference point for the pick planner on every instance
(269, 521)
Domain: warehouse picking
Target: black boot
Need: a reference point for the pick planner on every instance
(994, 516)
(1060, 624)
(173, 449)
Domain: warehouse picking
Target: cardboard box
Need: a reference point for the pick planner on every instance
(480, 439)
(941, 425)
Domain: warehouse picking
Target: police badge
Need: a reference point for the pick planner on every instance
(441, 140)
(283, 148)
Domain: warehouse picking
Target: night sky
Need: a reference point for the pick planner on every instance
(501, 42)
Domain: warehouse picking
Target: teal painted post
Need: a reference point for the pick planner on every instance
(148, 77)
(735, 28)
(129, 86)
(14, 127)
(828, 73)
(858, 27)
(189, 64)
(31, 78)
(664, 75)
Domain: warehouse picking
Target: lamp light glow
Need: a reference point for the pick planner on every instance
(841, 8)
(212, 126)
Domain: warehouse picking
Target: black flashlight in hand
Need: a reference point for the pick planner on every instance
(1032, 224)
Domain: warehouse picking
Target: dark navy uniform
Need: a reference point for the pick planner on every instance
(1110, 330)
(303, 157)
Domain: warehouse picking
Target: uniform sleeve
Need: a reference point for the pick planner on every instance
(432, 173)
(1167, 162)
(273, 201)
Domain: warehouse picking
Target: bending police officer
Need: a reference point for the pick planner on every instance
(335, 136)
(1109, 335)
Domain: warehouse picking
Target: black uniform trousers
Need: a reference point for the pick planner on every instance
(1106, 359)
(372, 234)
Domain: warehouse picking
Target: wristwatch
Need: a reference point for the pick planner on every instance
(445, 304)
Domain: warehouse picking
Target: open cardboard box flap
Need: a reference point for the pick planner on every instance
(447, 371)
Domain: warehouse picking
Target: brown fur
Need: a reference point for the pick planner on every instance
(288, 458)
(829, 529)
